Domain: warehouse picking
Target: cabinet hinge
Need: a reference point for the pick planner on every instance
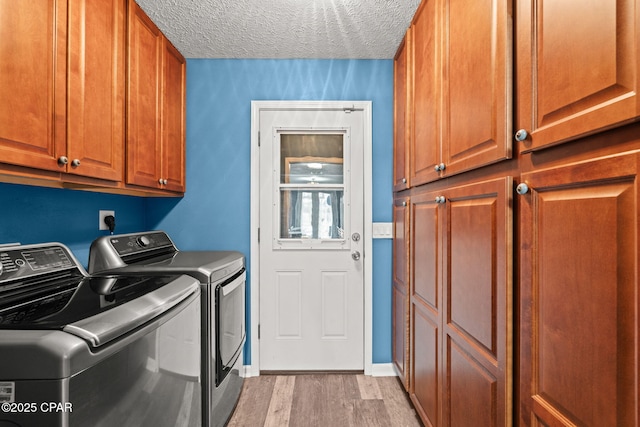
(258, 235)
(258, 331)
(349, 109)
(258, 138)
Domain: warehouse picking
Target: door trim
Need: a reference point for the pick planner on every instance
(254, 276)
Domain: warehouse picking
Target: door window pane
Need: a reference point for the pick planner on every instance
(311, 159)
(312, 214)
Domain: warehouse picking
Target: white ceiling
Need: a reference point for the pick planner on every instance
(328, 29)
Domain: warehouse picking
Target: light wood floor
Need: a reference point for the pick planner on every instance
(332, 400)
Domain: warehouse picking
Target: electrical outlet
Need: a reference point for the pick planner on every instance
(101, 216)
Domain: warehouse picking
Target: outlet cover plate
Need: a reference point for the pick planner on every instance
(101, 217)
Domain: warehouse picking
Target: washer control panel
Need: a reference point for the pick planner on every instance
(129, 244)
(23, 263)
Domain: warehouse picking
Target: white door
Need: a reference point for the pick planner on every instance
(311, 239)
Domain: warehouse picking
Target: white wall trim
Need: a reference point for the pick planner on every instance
(384, 370)
(256, 106)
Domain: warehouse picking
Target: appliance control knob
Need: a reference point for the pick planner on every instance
(144, 241)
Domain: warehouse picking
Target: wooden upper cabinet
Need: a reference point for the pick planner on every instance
(401, 110)
(579, 306)
(173, 119)
(477, 88)
(425, 113)
(156, 107)
(461, 63)
(578, 68)
(32, 82)
(96, 87)
(144, 142)
(62, 76)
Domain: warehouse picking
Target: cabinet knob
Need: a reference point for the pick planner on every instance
(75, 163)
(521, 135)
(522, 188)
(63, 160)
(437, 168)
(404, 204)
(440, 167)
(160, 181)
(440, 199)
(164, 181)
(404, 180)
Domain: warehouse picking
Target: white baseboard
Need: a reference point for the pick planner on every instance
(383, 370)
(377, 370)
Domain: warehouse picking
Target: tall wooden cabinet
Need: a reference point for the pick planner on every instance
(62, 71)
(155, 113)
(548, 232)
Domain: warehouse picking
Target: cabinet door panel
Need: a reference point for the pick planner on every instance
(577, 68)
(400, 330)
(144, 151)
(425, 382)
(426, 235)
(477, 84)
(173, 120)
(33, 55)
(477, 307)
(95, 121)
(579, 299)
(425, 138)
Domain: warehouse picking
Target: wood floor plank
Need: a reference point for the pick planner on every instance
(254, 402)
(322, 400)
(371, 413)
(368, 387)
(279, 411)
(397, 402)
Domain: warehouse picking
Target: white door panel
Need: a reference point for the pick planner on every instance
(311, 204)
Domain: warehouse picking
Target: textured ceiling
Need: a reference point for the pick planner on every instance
(332, 29)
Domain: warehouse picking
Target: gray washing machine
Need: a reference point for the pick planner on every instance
(222, 279)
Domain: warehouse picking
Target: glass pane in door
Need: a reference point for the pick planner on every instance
(312, 186)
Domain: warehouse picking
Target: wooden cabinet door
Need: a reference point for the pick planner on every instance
(426, 307)
(144, 141)
(33, 54)
(401, 112)
(95, 123)
(476, 122)
(477, 293)
(425, 110)
(578, 68)
(400, 327)
(579, 294)
(173, 119)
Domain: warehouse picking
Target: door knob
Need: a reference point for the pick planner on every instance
(355, 255)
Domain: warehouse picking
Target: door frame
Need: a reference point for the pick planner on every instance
(254, 277)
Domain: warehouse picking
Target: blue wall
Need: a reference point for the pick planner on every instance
(38, 215)
(215, 212)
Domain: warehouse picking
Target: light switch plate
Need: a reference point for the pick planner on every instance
(382, 230)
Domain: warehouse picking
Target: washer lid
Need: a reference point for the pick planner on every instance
(83, 299)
